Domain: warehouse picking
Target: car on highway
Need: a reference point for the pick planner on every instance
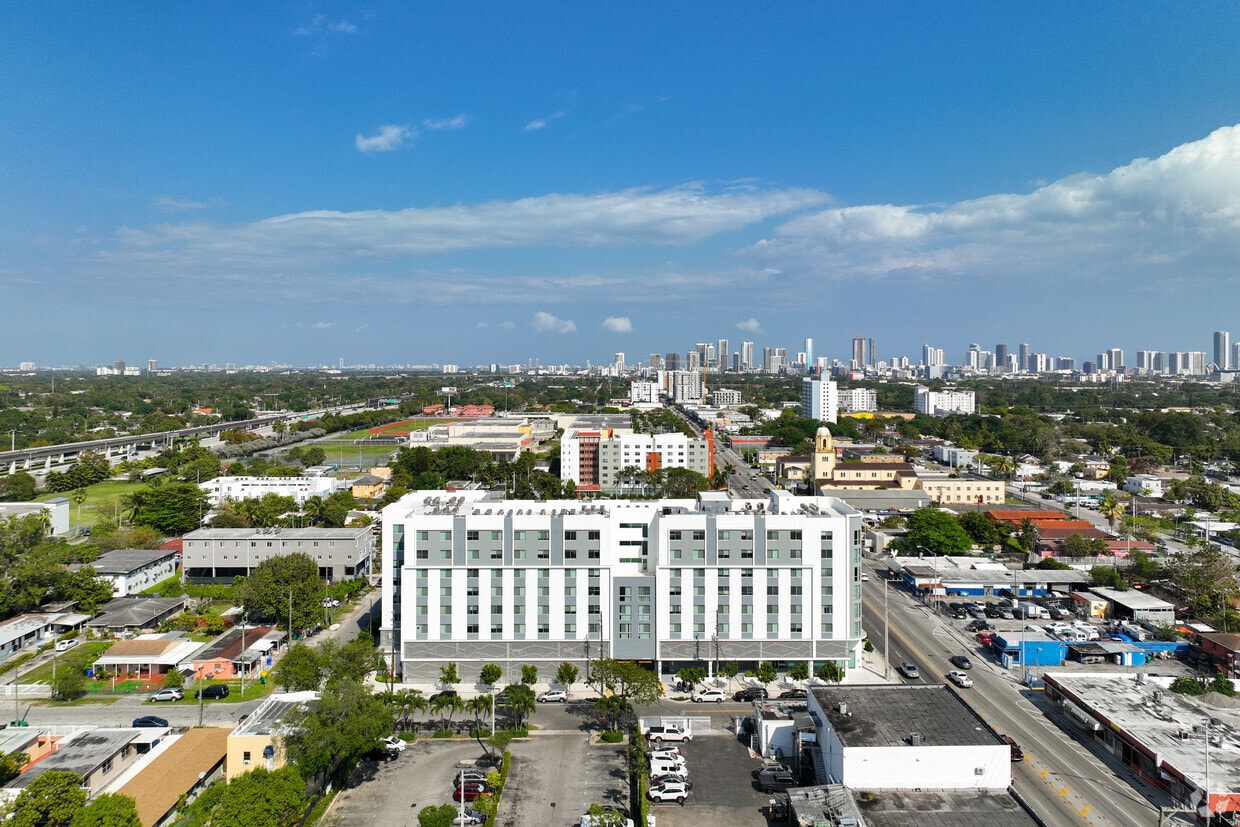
(961, 662)
(909, 670)
(553, 696)
(150, 721)
(668, 791)
(961, 679)
(167, 695)
(704, 696)
(668, 732)
(394, 743)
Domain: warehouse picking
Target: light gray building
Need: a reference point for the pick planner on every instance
(221, 554)
(473, 578)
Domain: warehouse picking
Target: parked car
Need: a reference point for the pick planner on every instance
(668, 732)
(708, 696)
(960, 679)
(663, 749)
(961, 662)
(750, 693)
(669, 791)
(976, 626)
(469, 777)
(553, 696)
(63, 645)
(150, 720)
(909, 670)
(469, 818)
(793, 695)
(992, 612)
(394, 743)
(673, 758)
(776, 781)
(501, 698)
(213, 692)
(451, 693)
(683, 778)
(470, 791)
(167, 695)
(959, 614)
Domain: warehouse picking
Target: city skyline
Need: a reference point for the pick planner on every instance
(387, 185)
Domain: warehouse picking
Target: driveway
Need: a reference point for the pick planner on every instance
(723, 792)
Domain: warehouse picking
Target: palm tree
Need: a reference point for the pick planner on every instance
(408, 702)
(1111, 510)
(521, 702)
(441, 704)
(312, 509)
(480, 706)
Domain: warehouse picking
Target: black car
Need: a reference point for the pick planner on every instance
(976, 626)
(659, 779)
(451, 693)
(961, 662)
(213, 692)
(150, 720)
(793, 695)
(992, 612)
(750, 693)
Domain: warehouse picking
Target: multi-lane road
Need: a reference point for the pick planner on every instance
(1061, 778)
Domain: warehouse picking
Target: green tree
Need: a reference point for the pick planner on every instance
(173, 679)
(624, 678)
(437, 815)
(692, 675)
(937, 532)
(51, 800)
(612, 709)
(171, 508)
(491, 673)
(830, 671)
(529, 674)
(273, 799)
(20, 487)
(266, 591)
(1111, 510)
(444, 706)
(767, 672)
(70, 681)
(566, 674)
(108, 810)
(11, 765)
(521, 702)
(982, 530)
(351, 661)
(299, 670)
(345, 722)
(448, 674)
(85, 588)
(798, 671)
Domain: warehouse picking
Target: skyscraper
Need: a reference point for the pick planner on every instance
(1222, 349)
(746, 355)
(873, 352)
(722, 351)
(1001, 358)
(1022, 362)
(809, 355)
(820, 399)
(858, 352)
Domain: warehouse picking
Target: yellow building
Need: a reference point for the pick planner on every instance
(256, 740)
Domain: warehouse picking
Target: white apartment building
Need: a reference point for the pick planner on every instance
(244, 488)
(220, 554)
(943, 403)
(857, 400)
(820, 399)
(723, 397)
(472, 578)
(594, 460)
(644, 393)
(685, 386)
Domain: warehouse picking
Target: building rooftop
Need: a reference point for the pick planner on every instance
(82, 755)
(158, 786)
(272, 712)
(283, 533)
(945, 808)
(135, 611)
(228, 645)
(1132, 599)
(885, 716)
(126, 560)
(1171, 726)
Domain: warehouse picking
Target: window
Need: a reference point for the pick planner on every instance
(497, 628)
(471, 628)
(471, 535)
(674, 535)
(594, 535)
(570, 536)
(773, 589)
(497, 608)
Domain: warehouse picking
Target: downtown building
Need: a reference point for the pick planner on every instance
(943, 403)
(596, 460)
(472, 578)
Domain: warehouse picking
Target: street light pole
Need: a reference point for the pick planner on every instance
(886, 628)
(200, 697)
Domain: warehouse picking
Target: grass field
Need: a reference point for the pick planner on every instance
(83, 652)
(102, 501)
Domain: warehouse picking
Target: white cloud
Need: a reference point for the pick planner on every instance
(750, 325)
(1149, 216)
(541, 123)
(167, 203)
(322, 325)
(435, 124)
(388, 138)
(509, 326)
(618, 324)
(549, 323)
(320, 26)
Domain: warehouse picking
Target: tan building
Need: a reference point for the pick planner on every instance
(186, 768)
(256, 740)
(874, 472)
(963, 490)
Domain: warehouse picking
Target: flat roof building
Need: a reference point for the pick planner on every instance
(220, 554)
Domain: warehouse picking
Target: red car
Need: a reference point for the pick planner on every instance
(470, 790)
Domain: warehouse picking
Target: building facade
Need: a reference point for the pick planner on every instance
(820, 399)
(474, 578)
(943, 403)
(220, 554)
(857, 400)
(597, 460)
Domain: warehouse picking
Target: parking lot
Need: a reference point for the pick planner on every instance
(724, 794)
(392, 792)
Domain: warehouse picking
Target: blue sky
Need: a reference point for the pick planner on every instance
(461, 182)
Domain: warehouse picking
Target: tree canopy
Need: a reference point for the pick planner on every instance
(265, 592)
(936, 531)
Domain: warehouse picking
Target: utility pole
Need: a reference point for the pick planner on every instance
(886, 628)
(200, 698)
(290, 618)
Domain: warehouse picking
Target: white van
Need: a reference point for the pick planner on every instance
(662, 766)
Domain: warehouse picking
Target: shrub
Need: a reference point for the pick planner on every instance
(612, 736)
(443, 733)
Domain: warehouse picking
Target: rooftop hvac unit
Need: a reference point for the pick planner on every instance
(842, 707)
(914, 739)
